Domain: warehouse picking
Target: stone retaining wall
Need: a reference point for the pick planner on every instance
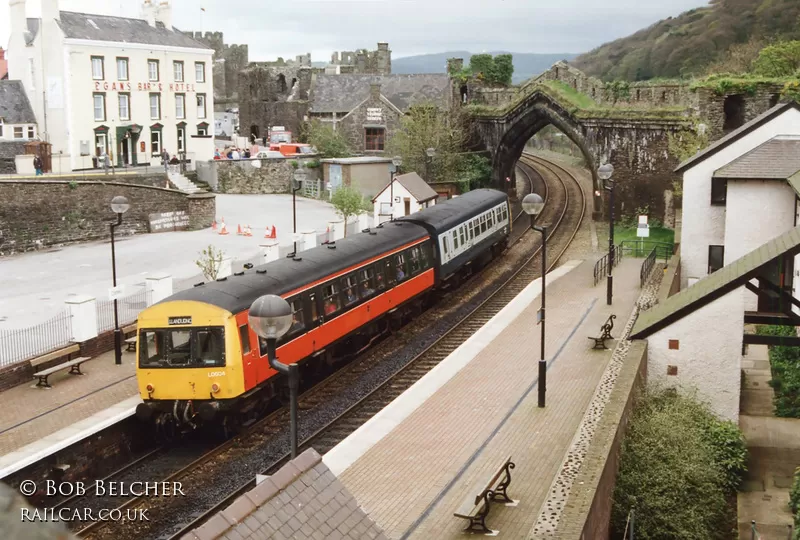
(255, 176)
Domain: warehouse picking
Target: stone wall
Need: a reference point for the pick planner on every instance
(711, 107)
(271, 176)
(229, 60)
(352, 126)
(273, 96)
(39, 213)
(8, 151)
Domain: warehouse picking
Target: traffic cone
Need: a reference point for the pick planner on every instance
(214, 226)
(248, 231)
(223, 230)
(239, 230)
(328, 233)
(266, 232)
(274, 233)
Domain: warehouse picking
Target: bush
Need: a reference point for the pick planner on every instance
(313, 164)
(678, 467)
(785, 366)
(794, 494)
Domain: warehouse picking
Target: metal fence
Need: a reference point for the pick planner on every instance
(643, 248)
(128, 309)
(601, 266)
(755, 535)
(647, 268)
(17, 345)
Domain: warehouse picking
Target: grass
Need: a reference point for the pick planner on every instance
(656, 235)
(635, 246)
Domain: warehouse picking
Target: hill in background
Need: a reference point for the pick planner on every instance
(526, 65)
(693, 42)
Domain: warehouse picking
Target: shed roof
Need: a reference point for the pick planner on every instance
(109, 28)
(737, 134)
(776, 159)
(716, 285)
(418, 187)
(343, 93)
(14, 105)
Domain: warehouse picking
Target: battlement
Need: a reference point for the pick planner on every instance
(378, 61)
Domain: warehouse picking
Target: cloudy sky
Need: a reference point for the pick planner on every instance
(288, 28)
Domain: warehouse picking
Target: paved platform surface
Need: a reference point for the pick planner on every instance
(412, 479)
(30, 415)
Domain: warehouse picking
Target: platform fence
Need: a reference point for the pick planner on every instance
(21, 344)
(643, 248)
(601, 266)
(128, 308)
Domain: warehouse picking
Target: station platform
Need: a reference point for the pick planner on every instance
(414, 463)
(36, 422)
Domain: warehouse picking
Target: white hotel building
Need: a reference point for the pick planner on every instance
(130, 87)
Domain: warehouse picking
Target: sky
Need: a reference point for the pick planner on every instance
(292, 27)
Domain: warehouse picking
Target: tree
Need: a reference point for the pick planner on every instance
(502, 70)
(779, 60)
(329, 143)
(475, 172)
(347, 201)
(210, 262)
(480, 64)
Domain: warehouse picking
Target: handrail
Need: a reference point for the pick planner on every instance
(601, 266)
(647, 267)
(638, 248)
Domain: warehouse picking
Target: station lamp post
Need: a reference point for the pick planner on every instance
(430, 153)
(119, 205)
(605, 172)
(270, 317)
(533, 204)
(394, 168)
(297, 185)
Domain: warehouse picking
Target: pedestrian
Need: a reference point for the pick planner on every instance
(165, 160)
(37, 164)
(236, 154)
(105, 161)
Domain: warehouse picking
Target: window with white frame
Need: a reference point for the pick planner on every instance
(155, 142)
(122, 69)
(18, 132)
(177, 68)
(202, 131)
(180, 106)
(155, 106)
(152, 70)
(99, 107)
(181, 139)
(200, 72)
(98, 72)
(31, 132)
(124, 106)
(201, 105)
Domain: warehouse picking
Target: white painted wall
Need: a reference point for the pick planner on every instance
(708, 360)
(400, 194)
(703, 224)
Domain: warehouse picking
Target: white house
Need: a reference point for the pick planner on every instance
(404, 195)
(17, 121)
(130, 87)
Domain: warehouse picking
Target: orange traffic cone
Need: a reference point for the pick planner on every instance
(223, 229)
(328, 233)
(214, 226)
(273, 234)
(239, 230)
(248, 231)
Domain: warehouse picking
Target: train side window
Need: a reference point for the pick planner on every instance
(350, 289)
(414, 257)
(312, 302)
(388, 272)
(400, 267)
(483, 224)
(366, 278)
(444, 245)
(298, 323)
(490, 218)
(380, 283)
(455, 240)
(244, 336)
(330, 296)
(461, 232)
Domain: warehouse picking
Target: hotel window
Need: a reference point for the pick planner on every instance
(202, 131)
(122, 69)
(155, 142)
(17, 132)
(374, 138)
(200, 72)
(98, 72)
(31, 132)
(124, 106)
(152, 69)
(719, 191)
(155, 106)
(99, 107)
(178, 70)
(716, 258)
(201, 105)
(180, 105)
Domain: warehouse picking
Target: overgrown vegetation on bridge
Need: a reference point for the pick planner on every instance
(679, 469)
(493, 70)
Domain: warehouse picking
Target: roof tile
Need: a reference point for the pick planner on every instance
(776, 159)
(15, 108)
(109, 28)
(343, 93)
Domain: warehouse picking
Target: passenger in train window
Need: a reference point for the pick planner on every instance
(400, 274)
(379, 280)
(330, 307)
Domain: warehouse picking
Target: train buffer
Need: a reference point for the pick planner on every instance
(475, 507)
(131, 343)
(605, 333)
(73, 365)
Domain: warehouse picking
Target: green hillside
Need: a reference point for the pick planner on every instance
(695, 41)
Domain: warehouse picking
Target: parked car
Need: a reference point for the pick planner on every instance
(267, 154)
(293, 149)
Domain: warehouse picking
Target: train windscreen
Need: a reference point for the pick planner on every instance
(182, 347)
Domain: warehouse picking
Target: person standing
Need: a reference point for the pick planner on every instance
(165, 160)
(37, 164)
(105, 161)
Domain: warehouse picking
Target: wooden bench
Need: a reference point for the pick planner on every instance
(131, 342)
(475, 508)
(73, 365)
(605, 333)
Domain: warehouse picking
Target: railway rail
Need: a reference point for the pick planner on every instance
(213, 480)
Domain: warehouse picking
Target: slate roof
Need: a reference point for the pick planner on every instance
(302, 500)
(776, 159)
(10, 149)
(715, 285)
(343, 93)
(14, 105)
(737, 134)
(418, 187)
(109, 28)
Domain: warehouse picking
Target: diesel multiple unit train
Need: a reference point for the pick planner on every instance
(200, 362)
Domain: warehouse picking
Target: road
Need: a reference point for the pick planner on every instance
(33, 286)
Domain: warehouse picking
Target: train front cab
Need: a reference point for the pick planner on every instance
(187, 361)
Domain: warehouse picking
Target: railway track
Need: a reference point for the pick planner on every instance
(210, 482)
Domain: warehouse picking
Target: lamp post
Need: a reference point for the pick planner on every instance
(119, 205)
(394, 168)
(533, 204)
(270, 317)
(297, 185)
(429, 155)
(605, 172)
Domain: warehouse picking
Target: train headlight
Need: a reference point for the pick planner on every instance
(150, 388)
(214, 388)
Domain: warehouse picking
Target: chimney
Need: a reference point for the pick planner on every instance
(375, 91)
(50, 11)
(383, 46)
(164, 15)
(149, 13)
(19, 20)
